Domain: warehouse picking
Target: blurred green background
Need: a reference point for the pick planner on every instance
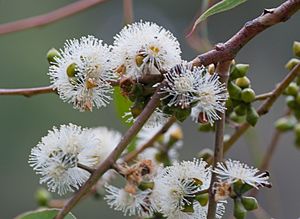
(23, 121)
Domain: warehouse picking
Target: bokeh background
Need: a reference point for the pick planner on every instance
(23, 121)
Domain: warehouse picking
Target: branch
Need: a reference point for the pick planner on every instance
(223, 71)
(130, 156)
(265, 106)
(27, 92)
(228, 50)
(128, 11)
(263, 96)
(49, 17)
(109, 161)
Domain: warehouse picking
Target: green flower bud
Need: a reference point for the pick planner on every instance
(252, 116)
(72, 70)
(241, 109)
(238, 71)
(285, 124)
(291, 102)
(188, 208)
(205, 154)
(51, 54)
(292, 63)
(202, 199)
(229, 104)
(292, 89)
(146, 185)
(42, 197)
(182, 114)
(234, 91)
(296, 48)
(297, 130)
(236, 118)
(248, 95)
(249, 203)
(245, 188)
(163, 158)
(206, 127)
(239, 211)
(243, 82)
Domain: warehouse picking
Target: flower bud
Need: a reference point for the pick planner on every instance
(182, 114)
(51, 54)
(285, 124)
(239, 210)
(292, 63)
(297, 130)
(202, 199)
(296, 48)
(238, 119)
(188, 208)
(249, 203)
(146, 185)
(241, 109)
(42, 197)
(248, 95)
(72, 70)
(252, 116)
(238, 71)
(205, 154)
(243, 82)
(292, 89)
(291, 102)
(234, 91)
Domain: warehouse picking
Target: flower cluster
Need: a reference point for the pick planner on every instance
(59, 155)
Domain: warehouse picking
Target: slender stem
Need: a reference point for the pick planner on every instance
(264, 107)
(27, 92)
(128, 11)
(84, 167)
(49, 17)
(109, 161)
(132, 155)
(263, 96)
(228, 50)
(223, 71)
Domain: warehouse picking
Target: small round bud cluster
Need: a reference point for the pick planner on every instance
(241, 95)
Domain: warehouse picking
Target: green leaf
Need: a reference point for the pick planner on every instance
(221, 6)
(122, 105)
(43, 214)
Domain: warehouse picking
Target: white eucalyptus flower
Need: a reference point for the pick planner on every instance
(176, 186)
(81, 73)
(211, 98)
(108, 140)
(144, 48)
(183, 83)
(137, 204)
(57, 155)
(232, 171)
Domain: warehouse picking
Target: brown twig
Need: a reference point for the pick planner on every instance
(49, 17)
(228, 50)
(265, 106)
(128, 11)
(109, 161)
(263, 96)
(132, 155)
(86, 168)
(27, 92)
(223, 71)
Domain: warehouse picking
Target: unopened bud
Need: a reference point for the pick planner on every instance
(72, 70)
(241, 109)
(238, 71)
(252, 116)
(292, 63)
(51, 54)
(236, 118)
(205, 154)
(243, 82)
(239, 210)
(248, 95)
(296, 48)
(42, 197)
(292, 89)
(291, 102)
(234, 91)
(202, 199)
(285, 124)
(249, 203)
